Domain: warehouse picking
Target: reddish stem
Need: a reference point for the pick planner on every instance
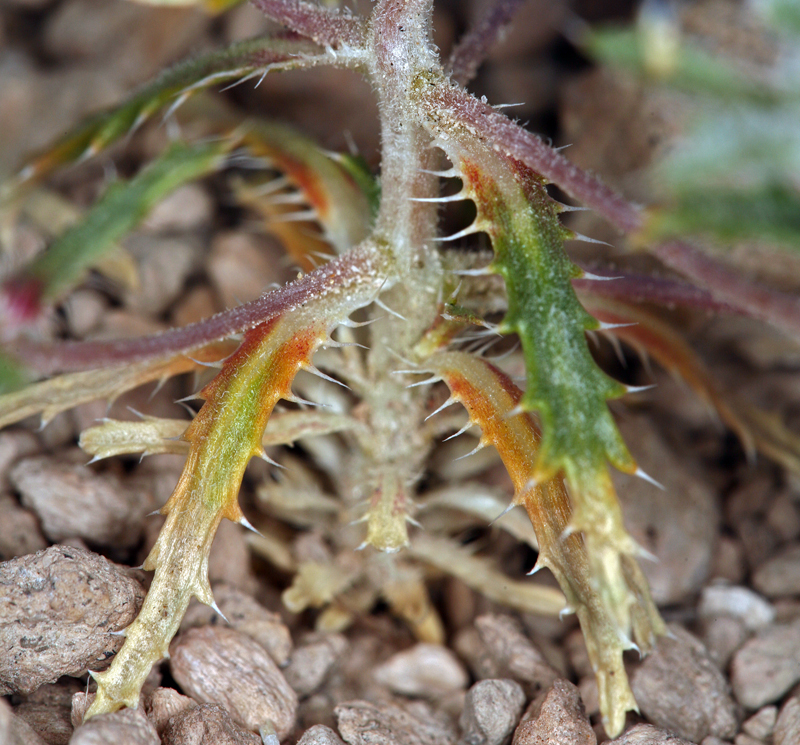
(326, 27)
(475, 45)
(72, 356)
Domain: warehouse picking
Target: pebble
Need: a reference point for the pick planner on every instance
(14, 730)
(787, 727)
(762, 723)
(510, 654)
(19, 530)
(723, 635)
(320, 735)
(164, 266)
(738, 602)
(492, 709)
(163, 704)
(424, 670)
(561, 720)
(364, 723)
(72, 500)
(780, 575)
(680, 688)
(679, 525)
(13, 446)
(187, 208)
(647, 734)
(125, 727)
(767, 665)
(206, 724)
(244, 614)
(57, 609)
(48, 709)
(242, 266)
(220, 665)
(311, 662)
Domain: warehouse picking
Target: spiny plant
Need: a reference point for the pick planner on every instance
(423, 299)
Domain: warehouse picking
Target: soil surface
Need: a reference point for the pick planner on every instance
(725, 533)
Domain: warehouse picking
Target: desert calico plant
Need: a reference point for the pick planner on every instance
(396, 312)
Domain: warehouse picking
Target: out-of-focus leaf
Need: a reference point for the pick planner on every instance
(169, 88)
(120, 209)
(771, 213)
(692, 69)
(210, 6)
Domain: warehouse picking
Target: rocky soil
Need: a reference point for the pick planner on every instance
(726, 532)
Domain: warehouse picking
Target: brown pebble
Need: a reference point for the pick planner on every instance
(123, 727)
(647, 734)
(320, 735)
(492, 709)
(762, 723)
(206, 724)
(14, 730)
(312, 660)
(744, 739)
(680, 688)
(57, 609)
(163, 704)
(513, 654)
(767, 665)
(19, 530)
(780, 575)
(244, 614)
(72, 500)
(561, 720)
(364, 723)
(220, 665)
(787, 727)
(424, 670)
(47, 711)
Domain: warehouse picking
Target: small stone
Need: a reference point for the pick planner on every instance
(165, 703)
(787, 728)
(561, 720)
(780, 575)
(647, 734)
(491, 711)
(364, 723)
(72, 500)
(164, 266)
(14, 730)
(320, 735)
(745, 739)
(126, 726)
(762, 723)
(723, 635)
(424, 670)
(57, 609)
(19, 530)
(783, 517)
(84, 310)
(244, 614)
(767, 665)
(206, 724)
(220, 665)
(678, 687)
(13, 446)
(738, 602)
(47, 711)
(311, 662)
(241, 267)
(678, 525)
(513, 655)
(728, 562)
(187, 208)
(51, 723)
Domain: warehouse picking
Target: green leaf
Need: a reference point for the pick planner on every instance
(169, 88)
(122, 207)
